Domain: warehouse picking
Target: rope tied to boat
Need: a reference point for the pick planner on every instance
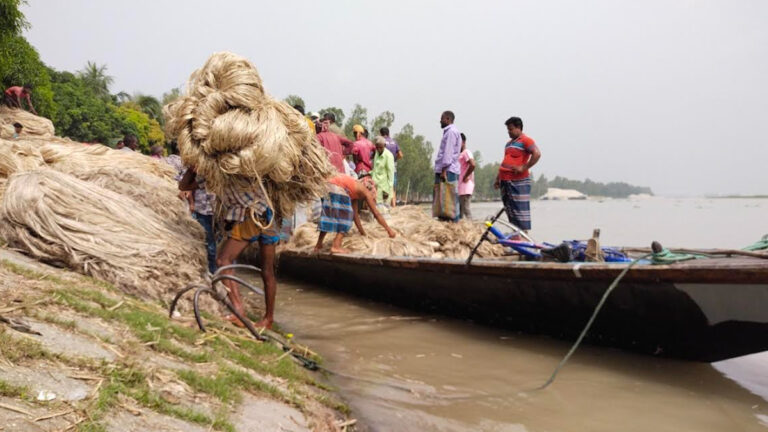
(599, 306)
(666, 256)
(760, 245)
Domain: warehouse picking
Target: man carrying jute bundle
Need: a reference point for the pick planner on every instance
(248, 220)
(258, 156)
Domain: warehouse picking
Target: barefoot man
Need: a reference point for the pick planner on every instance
(340, 208)
(248, 220)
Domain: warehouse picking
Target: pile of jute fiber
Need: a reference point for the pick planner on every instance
(109, 214)
(237, 136)
(418, 235)
(33, 125)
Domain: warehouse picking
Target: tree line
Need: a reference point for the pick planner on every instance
(81, 106)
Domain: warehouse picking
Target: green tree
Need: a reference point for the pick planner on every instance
(295, 100)
(134, 121)
(478, 158)
(96, 78)
(589, 187)
(171, 95)
(485, 177)
(19, 65)
(359, 116)
(539, 187)
(415, 177)
(338, 112)
(123, 97)
(12, 20)
(150, 106)
(384, 119)
(81, 114)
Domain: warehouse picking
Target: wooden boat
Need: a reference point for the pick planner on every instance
(705, 310)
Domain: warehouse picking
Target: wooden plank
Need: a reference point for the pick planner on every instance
(716, 270)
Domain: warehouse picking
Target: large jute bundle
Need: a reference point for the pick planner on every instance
(419, 235)
(238, 136)
(33, 125)
(143, 179)
(56, 217)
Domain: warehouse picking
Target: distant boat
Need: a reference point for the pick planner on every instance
(556, 194)
(704, 310)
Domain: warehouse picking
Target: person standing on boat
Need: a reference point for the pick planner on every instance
(383, 171)
(393, 148)
(362, 150)
(340, 209)
(336, 145)
(514, 180)
(445, 204)
(467, 179)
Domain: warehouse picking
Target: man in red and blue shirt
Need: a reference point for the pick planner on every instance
(520, 154)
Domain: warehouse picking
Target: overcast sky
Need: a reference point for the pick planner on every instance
(667, 94)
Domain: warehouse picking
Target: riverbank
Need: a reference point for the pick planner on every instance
(95, 359)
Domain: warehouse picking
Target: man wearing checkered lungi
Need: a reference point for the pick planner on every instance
(514, 180)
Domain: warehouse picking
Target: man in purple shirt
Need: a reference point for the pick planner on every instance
(393, 148)
(447, 170)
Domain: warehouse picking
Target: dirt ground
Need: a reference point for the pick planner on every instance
(78, 355)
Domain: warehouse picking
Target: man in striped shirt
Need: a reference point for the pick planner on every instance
(514, 180)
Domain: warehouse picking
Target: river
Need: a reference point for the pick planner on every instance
(403, 371)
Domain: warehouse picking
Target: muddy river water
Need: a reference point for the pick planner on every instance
(405, 371)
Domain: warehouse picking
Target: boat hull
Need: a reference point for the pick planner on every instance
(693, 313)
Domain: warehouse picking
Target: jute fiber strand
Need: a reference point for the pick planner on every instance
(419, 235)
(143, 179)
(33, 125)
(56, 217)
(238, 136)
(72, 156)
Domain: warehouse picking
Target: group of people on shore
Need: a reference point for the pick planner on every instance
(367, 177)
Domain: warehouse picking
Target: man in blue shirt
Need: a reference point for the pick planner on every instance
(445, 204)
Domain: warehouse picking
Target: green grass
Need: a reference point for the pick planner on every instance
(225, 384)
(21, 348)
(10, 390)
(67, 324)
(95, 298)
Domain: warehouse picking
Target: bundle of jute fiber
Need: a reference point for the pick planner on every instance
(56, 217)
(419, 235)
(33, 125)
(237, 136)
(16, 156)
(152, 192)
(73, 156)
(139, 177)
